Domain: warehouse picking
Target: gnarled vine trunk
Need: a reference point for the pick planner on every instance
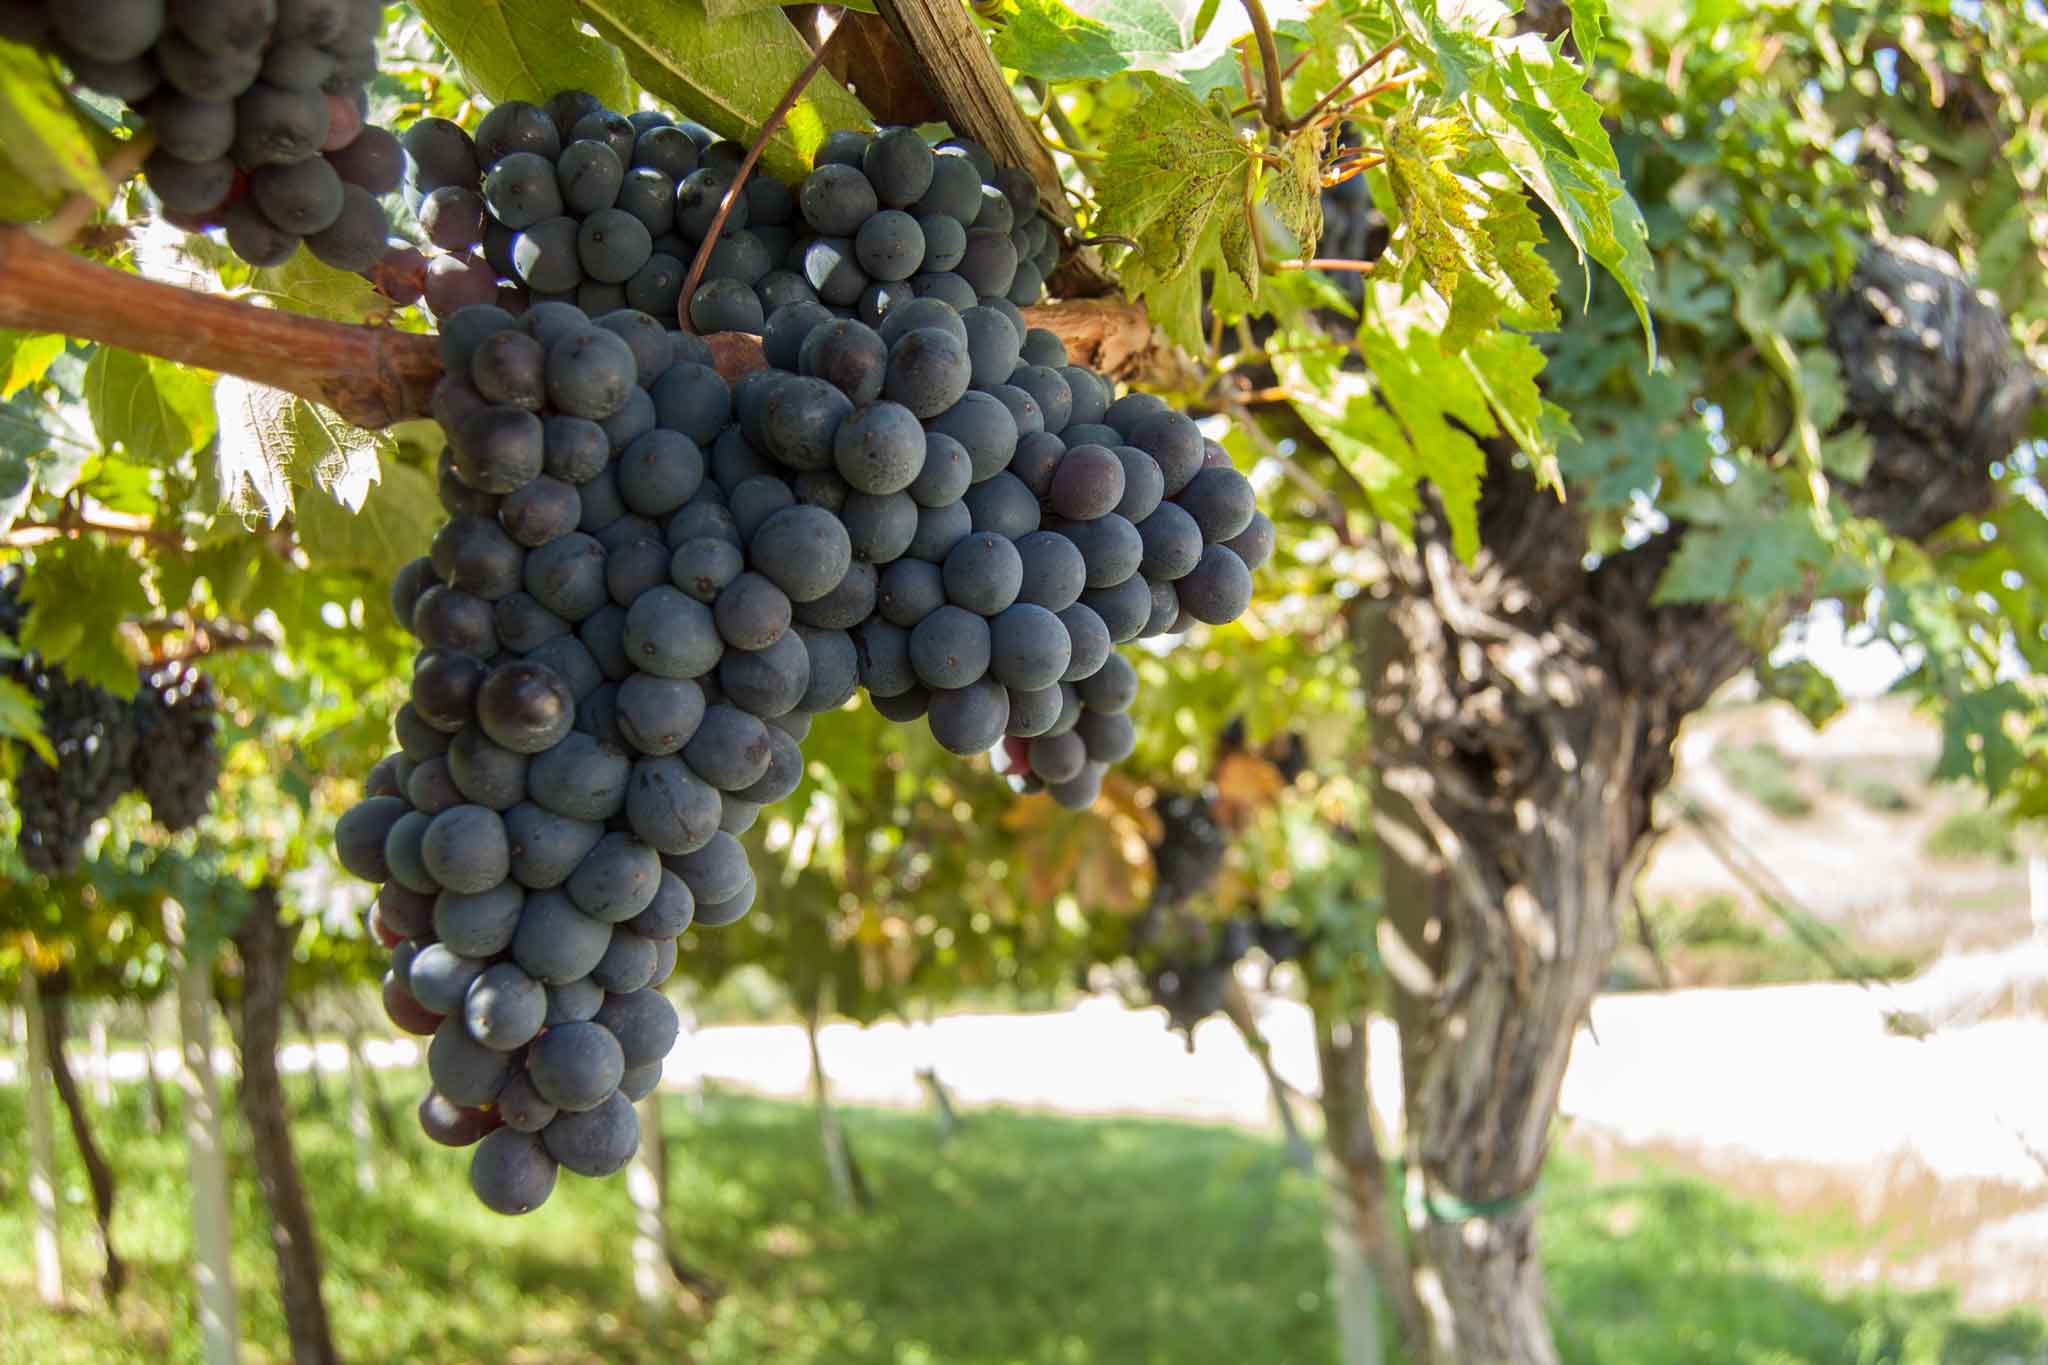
(1524, 708)
(1523, 717)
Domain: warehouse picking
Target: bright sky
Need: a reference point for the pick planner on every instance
(1860, 666)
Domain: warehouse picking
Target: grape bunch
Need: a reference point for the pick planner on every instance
(570, 202)
(105, 746)
(651, 580)
(177, 753)
(257, 108)
(605, 698)
(93, 733)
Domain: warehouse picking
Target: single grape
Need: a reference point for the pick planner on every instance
(970, 719)
(928, 371)
(516, 127)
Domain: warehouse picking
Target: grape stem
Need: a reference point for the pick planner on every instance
(70, 523)
(1269, 58)
(1314, 110)
(77, 209)
(739, 178)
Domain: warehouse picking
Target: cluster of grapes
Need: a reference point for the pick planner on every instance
(93, 733)
(652, 580)
(603, 701)
(571, 202)
(257, 108)
(1193, 982)
(177, 758)
(163, 742)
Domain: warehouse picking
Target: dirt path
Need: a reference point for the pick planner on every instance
(1805, 1073)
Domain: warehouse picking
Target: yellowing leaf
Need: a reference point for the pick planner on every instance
(1174, 166)
(49, 149)
(1296, 193)
(25, 358)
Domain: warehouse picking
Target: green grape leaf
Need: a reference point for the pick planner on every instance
(330, 454)
(1175, 166)
(273, 444)
(730, 74)
(395, 523)
(527, 50)
(1420, 412)
(1746, 541)
(720, 10)
(1531, 103)
(1504, 366)
(1047, 39)
(1589, 22)
(1625, 444)
(1801, 684)
(258, 447)
(21, 718)
(1070, 40)
(1775, 320)
(306, 285)
(153, 409)
(1341, 407)
(49, 148)
(26, 357)
(1976, 741)
(81, 593)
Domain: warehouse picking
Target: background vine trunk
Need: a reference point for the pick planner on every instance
(99, 1175)
(265, 958)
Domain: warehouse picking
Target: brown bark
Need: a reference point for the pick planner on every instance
(1524, 711)
(1118, 339)
(1237, 1008)
(98, 1173)
(1370, 1217)
(849, 1182)
(265, 952)
(1523, 717)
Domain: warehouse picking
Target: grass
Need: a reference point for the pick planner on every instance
(1763, 773)
(1871, 785)
(1027, 1241)
(1974, 836)
(1714, 941)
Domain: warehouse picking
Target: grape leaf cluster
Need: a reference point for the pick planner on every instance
(164, 742)
(258, 110)
(651, 580)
